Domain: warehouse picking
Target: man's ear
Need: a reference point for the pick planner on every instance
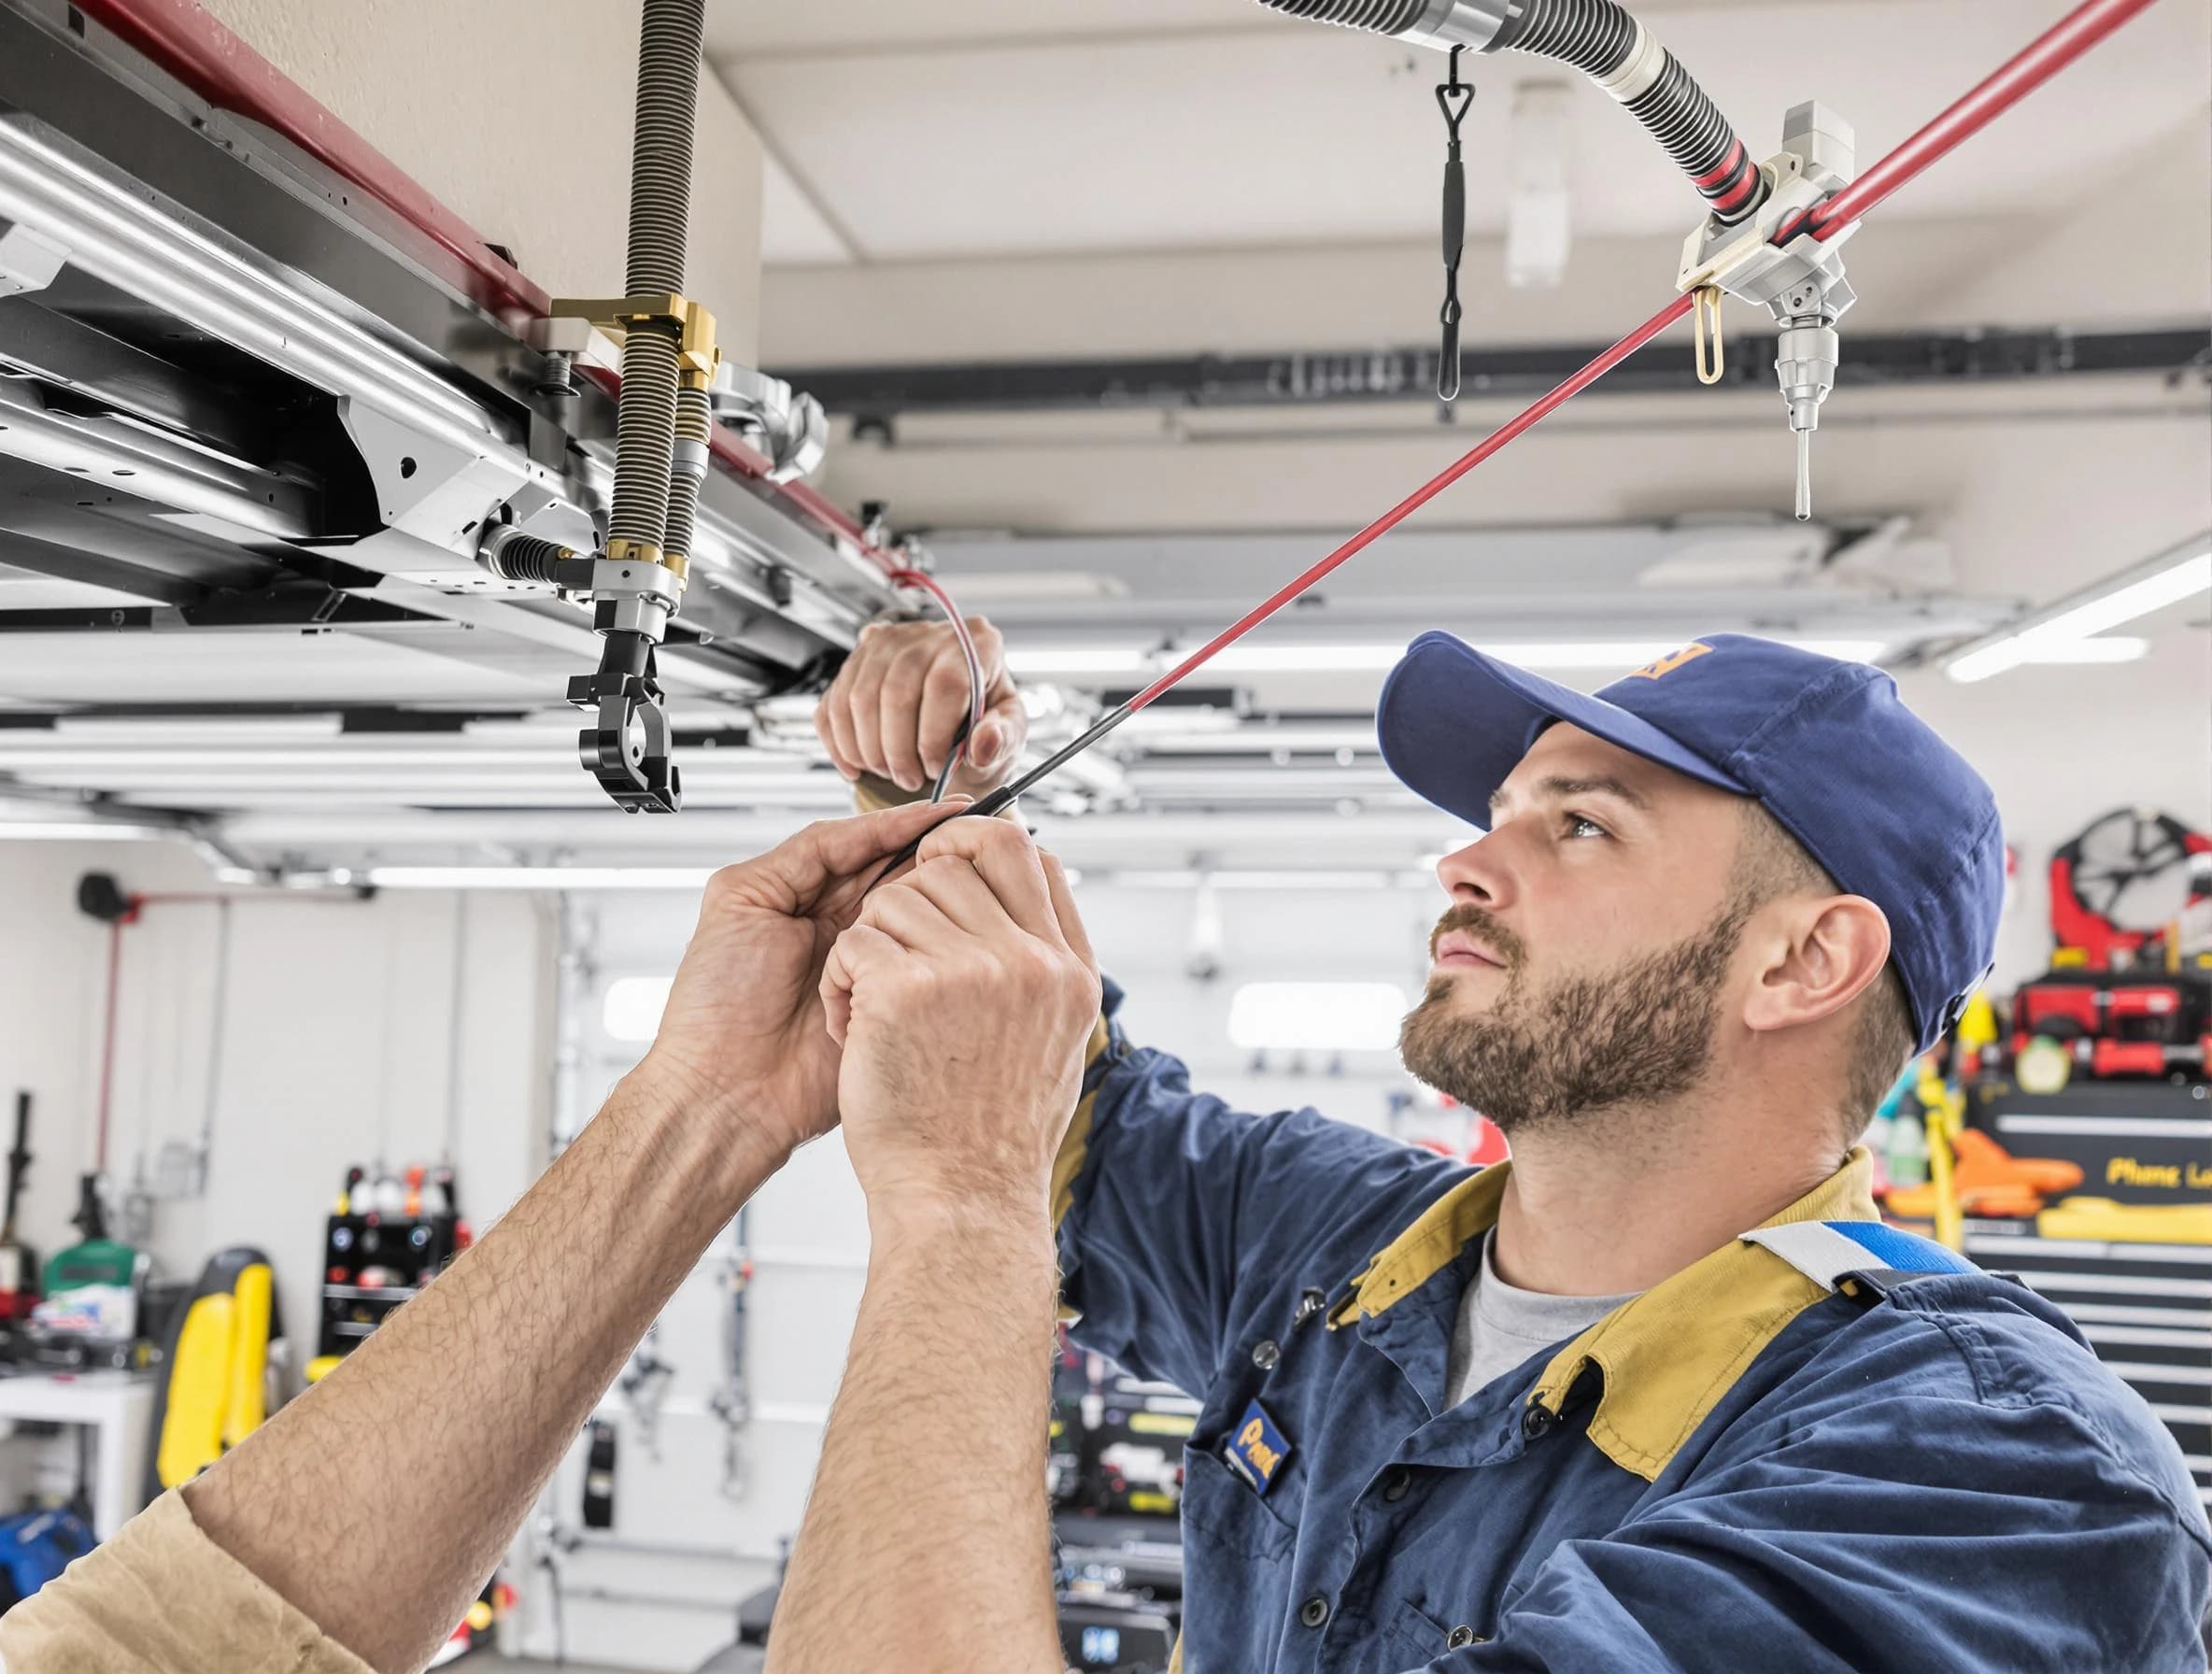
(1827, 950)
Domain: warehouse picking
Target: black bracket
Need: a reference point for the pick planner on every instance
(626, 748)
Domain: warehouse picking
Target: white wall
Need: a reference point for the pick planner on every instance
(516, 114)
(338, 1033)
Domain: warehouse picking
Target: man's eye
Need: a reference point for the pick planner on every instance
(1582, 825)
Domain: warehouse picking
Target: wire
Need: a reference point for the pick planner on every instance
(958, 753)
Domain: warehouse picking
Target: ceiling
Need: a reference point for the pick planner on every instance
(957, 129)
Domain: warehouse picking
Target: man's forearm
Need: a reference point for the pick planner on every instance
(915, 1552)
(415, 1461)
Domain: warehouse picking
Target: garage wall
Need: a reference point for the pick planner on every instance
(516, 114)
(338, 1038)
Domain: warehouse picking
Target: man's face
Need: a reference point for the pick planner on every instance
(1587, 952)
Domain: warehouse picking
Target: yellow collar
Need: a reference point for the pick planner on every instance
(1668, 1357)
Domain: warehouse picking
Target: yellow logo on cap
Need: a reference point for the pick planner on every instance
(1671, 661)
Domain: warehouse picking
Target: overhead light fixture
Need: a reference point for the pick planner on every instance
(2064, 631)
(1380, 658)
(60, 831)
(535, 877)
(1102, 659)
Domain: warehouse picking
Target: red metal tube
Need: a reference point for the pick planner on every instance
(1420, 497)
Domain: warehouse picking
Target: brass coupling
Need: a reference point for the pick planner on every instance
(678, 316)
(623, 550)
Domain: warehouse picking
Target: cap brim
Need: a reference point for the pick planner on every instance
(1454, 722)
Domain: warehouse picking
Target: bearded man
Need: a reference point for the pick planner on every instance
(1661, 1393)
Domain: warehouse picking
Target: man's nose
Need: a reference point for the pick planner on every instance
(1478, 873)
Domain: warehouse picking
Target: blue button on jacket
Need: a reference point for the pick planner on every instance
(1753, 1466)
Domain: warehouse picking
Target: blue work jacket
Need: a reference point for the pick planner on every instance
(1761, 1463)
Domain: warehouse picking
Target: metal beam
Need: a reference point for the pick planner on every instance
(1307, 377)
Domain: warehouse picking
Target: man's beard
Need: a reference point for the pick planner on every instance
(1546, 1054)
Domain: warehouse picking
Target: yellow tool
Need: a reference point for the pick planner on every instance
(218, 1359)
(1946, 1107)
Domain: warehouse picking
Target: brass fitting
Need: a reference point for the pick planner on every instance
(679, 317)
(622, 551)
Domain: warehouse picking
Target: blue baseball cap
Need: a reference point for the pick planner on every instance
(1828, 747)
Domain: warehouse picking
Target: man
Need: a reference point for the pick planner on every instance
(1660, 1394)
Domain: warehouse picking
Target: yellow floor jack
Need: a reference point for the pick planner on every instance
(216, 1361)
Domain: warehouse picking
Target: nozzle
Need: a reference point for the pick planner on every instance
(1804, 360)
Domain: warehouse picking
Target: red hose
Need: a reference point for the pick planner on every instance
(115, 971)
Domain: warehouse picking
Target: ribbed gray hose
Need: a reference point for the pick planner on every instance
(694, 421)
(659, 211)
(1595, 36)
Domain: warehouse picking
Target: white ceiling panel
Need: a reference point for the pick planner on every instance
(1297, 133)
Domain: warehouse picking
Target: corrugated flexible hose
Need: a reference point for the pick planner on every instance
(1599, 39)
(659, 214)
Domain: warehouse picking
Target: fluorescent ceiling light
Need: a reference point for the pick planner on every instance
(2110, 647)
(1103, 659)
(536, 877)
(58, 831)
(2062, 633)
(172, 729)
(1378, 659)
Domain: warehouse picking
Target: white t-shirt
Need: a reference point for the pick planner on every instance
(1500, 1326)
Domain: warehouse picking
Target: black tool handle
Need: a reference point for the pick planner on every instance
(19, 1161)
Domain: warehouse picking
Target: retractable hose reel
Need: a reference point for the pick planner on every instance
(663, 429)
(1801, 283)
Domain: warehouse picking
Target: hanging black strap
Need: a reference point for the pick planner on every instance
(1454, 98)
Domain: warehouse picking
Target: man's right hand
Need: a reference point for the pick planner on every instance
(897, 706)
(744, 1033)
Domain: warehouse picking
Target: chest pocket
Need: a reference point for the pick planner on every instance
(1234, 1519)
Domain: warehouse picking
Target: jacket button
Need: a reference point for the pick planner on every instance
(1538, 1421)
(1314, 1612)
(1460, 1638)
(1266, 1356)
(1394, 1488)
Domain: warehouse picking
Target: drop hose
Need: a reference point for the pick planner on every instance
(659, 215)
(1598, 37)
